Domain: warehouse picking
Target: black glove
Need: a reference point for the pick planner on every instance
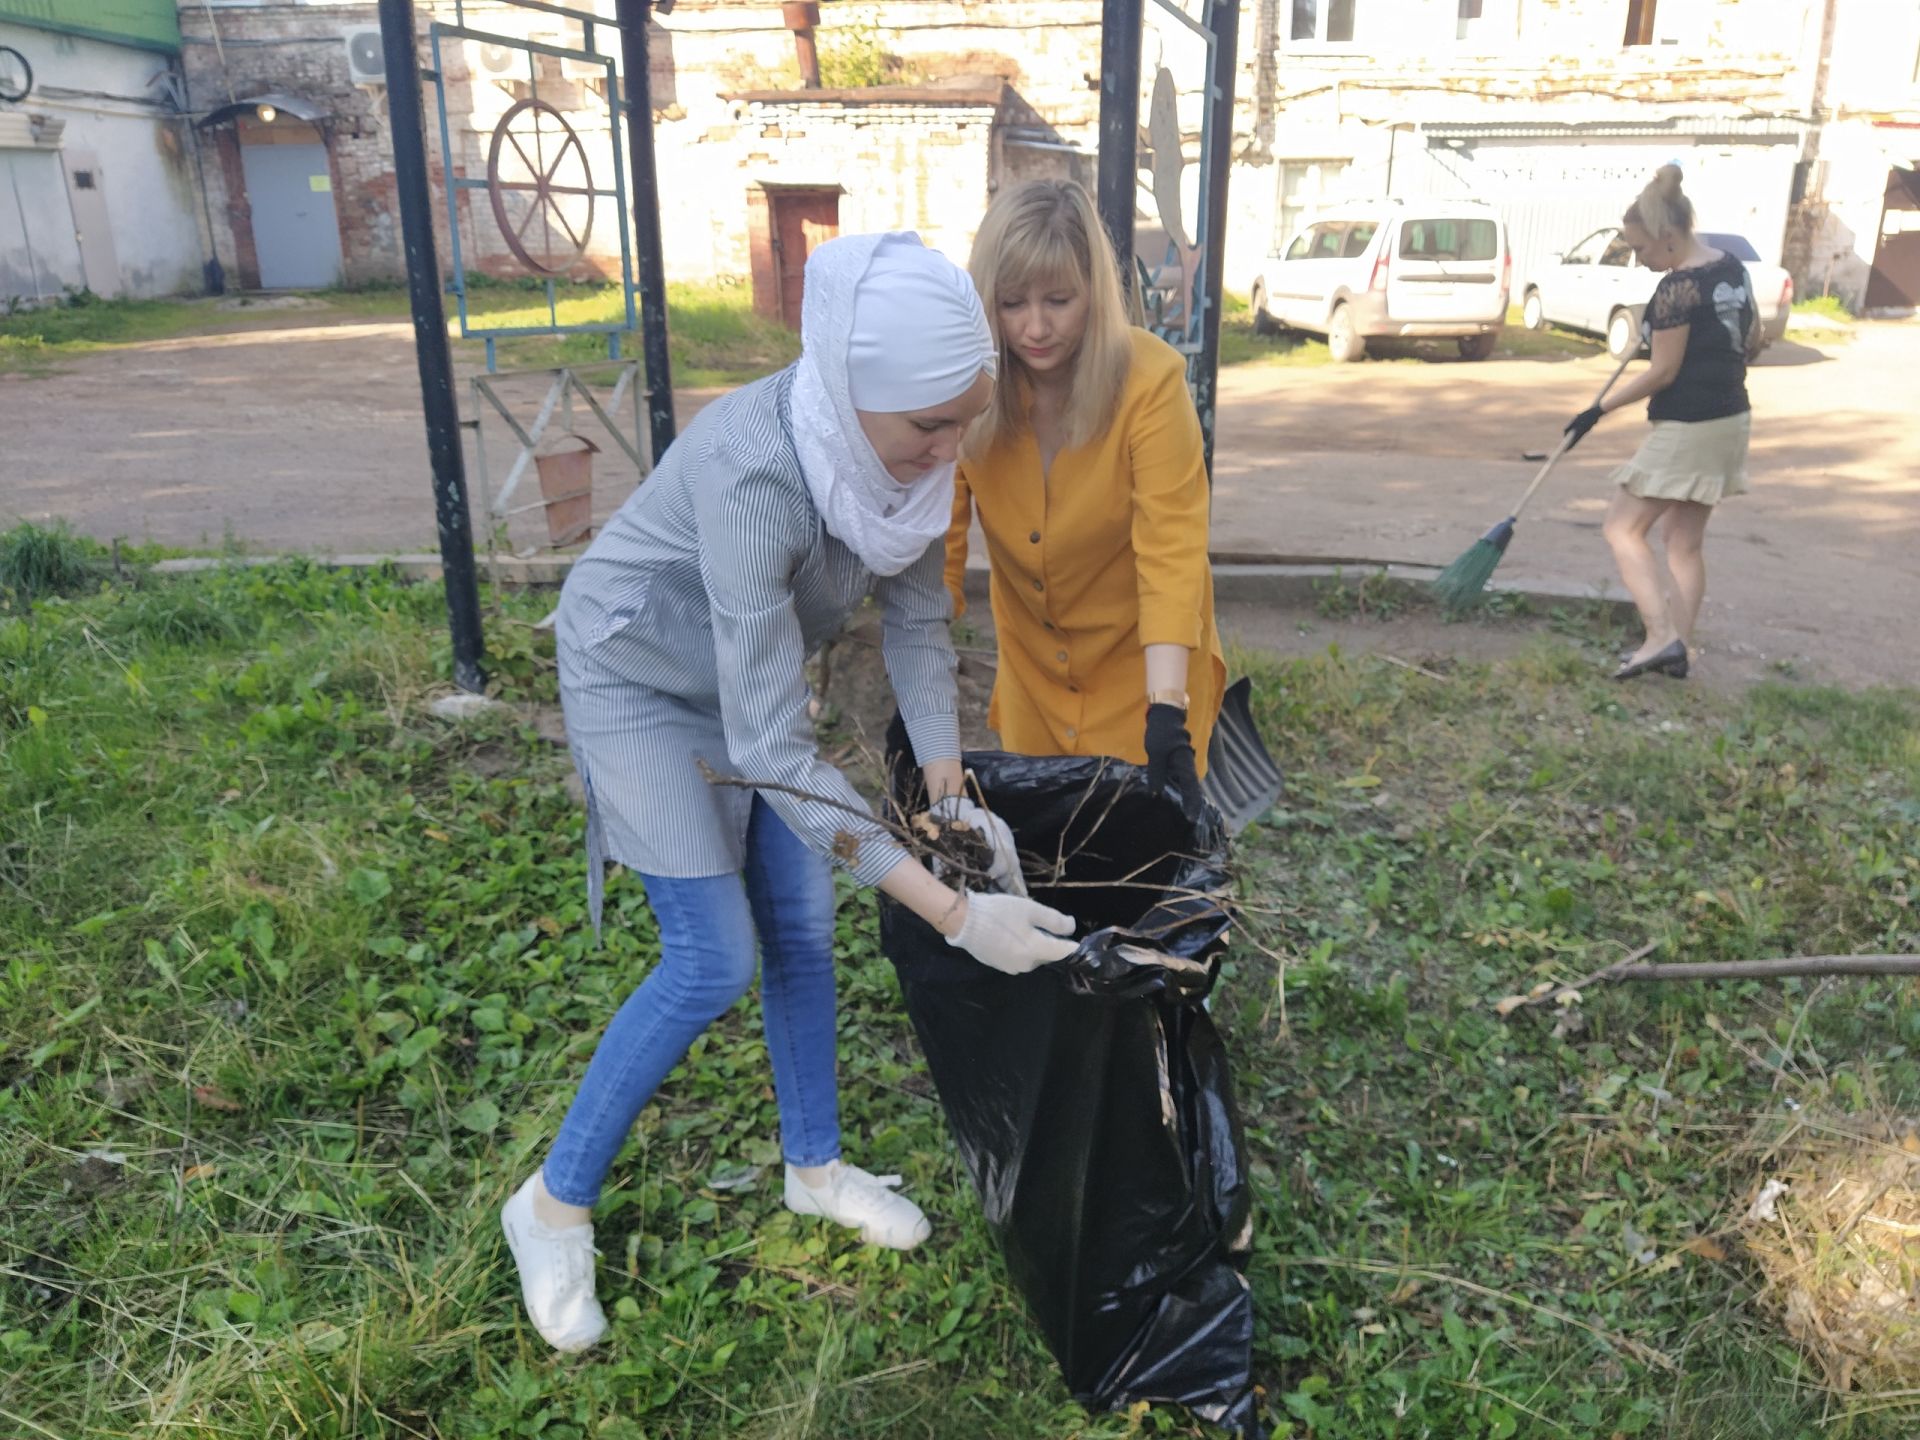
(1170, 758)
(1578, 426)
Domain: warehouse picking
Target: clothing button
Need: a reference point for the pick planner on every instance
(1038, 586)
(1034, 537)
(1061, 657)
(1072, 734)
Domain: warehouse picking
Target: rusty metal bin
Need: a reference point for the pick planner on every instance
(565, 466)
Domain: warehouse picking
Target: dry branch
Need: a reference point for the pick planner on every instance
(1636, 967)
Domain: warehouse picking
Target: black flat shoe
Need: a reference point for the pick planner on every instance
(1671, 662)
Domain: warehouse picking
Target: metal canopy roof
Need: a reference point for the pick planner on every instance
(291, 105)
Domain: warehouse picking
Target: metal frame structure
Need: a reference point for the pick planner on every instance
(1192, 322)
(566, 382)
(414, 193)
(457, 184)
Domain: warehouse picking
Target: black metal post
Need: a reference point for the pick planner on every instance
(636, 86)
(415, 194)
(1119, 127)
(1223, 19)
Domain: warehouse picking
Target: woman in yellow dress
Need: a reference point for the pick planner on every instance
(1089, 478)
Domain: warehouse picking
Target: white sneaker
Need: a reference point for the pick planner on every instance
(556, 1274)
(863, 1202)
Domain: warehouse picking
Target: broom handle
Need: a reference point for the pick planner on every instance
(1567, 441)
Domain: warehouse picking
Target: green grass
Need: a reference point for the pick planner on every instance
(716, 339)
(295, 982)
(1241, 345)
(1827, 305)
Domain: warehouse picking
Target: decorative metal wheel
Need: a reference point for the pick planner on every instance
(541, 187)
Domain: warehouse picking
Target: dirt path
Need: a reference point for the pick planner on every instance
(309, 437)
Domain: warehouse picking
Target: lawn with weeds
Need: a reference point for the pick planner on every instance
(296, 981)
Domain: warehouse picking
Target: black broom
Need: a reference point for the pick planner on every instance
(1459, 586)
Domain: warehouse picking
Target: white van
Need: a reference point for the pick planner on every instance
(1364, 269)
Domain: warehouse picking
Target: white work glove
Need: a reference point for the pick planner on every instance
(1004, 872)
(1013, 934)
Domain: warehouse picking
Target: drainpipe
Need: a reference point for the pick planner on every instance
(801, 16)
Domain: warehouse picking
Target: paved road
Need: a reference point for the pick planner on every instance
(310, 438)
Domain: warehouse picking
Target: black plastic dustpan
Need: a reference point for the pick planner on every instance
(1242, 781)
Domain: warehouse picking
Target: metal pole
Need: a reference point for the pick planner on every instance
(637, 87)
(1223, 19)
(430, 344)
(1119, 127)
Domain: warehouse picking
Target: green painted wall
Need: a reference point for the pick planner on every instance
(150, 24)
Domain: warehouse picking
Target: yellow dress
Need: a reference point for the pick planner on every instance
(1105, 555)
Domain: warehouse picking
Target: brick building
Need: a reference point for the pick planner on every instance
(743, 150)
(1797, 121)
(1558, 110)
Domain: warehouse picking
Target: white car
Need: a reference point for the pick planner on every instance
(1600, 287)
(1391, 268)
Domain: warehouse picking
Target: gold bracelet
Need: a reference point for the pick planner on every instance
(1175, 698)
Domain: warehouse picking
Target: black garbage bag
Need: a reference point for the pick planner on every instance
(1091, 1099)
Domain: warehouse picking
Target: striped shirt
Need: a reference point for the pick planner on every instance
(683, 634)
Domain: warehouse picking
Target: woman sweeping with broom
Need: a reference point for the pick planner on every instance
(1705, 329)
(683, 635)
(1089, 478)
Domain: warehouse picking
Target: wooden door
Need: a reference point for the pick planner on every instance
(801, 220)
(1895, 281)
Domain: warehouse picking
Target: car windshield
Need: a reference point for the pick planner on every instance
(1734, 245)
(1449, 239)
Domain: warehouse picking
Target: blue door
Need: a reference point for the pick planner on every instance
(295, 233)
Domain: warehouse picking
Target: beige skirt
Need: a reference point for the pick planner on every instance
(1699, 460)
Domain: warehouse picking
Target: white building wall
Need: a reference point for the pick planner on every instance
(113, 100)
(1348, 118)
(1873, 99)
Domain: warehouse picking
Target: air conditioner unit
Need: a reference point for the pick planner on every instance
(366, 56)
(486, 57)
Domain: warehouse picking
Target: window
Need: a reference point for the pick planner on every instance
(1470, 11)
(1618, 252)
(1327, 21)
(1734, 245)
(1640, 22)
(1319, 242)
(1301, 188)
(1588, 251)
(1456, 239)
(1359, 237)
(83, 180)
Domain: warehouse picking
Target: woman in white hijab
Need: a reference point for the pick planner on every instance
(683, 634)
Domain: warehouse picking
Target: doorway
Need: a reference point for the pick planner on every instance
(296, 233)
(797, 218)
(92, 226)
(1894, 283)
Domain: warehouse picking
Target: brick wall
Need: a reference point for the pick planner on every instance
(297, 50)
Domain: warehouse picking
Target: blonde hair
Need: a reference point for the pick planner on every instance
(1047, 232)
(1662, 208)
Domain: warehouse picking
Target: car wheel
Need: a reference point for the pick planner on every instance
(1533, 312)
(1623, 334)
(1477, 347)
(1263, 322)
(1343, 342)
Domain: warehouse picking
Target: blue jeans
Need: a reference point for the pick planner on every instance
(708, 928)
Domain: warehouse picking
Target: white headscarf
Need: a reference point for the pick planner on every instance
(887, 325)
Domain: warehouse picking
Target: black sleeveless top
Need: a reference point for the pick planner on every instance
(1716, 302)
